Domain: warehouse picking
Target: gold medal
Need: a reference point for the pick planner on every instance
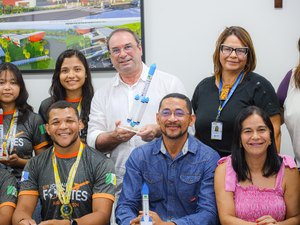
(66, 210)
(64, 195)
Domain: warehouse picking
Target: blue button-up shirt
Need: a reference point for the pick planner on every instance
(180, 190)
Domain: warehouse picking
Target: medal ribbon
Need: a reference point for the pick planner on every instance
(8, 145)
(79, 107)
(72, 100)
(65, 195)
(236, 83)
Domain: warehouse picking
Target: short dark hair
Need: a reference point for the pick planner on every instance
(62, 104)
(135, 36)
(180, 96)
(239, 164)
(21, 101)
(58, 92)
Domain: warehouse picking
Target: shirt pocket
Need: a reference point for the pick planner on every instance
(188, 188)
(155, 185)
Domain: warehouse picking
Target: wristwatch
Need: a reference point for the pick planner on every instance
(73, 222)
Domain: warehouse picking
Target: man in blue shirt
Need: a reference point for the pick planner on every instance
(177, 168)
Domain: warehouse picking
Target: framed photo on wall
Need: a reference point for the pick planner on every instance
(34, 32)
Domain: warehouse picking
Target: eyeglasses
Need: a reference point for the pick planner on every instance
(240, 52)
(178, 113)
(127, 48)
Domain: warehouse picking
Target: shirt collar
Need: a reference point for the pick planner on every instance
(184, 150)
(143, 77)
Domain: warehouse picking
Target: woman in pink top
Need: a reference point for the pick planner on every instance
(255, 185)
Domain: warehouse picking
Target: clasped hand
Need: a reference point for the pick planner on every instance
(12, 160)
(155, 219)
(121, 134)
(154, 216)
(147, 133)
(266, 220)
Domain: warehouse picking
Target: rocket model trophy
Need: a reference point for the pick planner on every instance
(2, 155)
(146, 219)
(139, 104)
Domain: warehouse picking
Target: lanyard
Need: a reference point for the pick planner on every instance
(222, 105)
(79, 107)
(65, 195)
(11, 134)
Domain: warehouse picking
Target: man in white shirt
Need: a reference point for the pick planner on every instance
(112, 103)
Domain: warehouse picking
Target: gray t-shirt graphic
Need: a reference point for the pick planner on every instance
(8, 190)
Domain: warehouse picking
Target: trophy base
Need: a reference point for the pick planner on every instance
(129, 128)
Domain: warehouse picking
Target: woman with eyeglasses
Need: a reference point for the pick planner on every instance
(72, 82)
(289, 95)
(218, 99)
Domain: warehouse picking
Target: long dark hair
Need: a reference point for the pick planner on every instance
(239, 164)
(58, 92)
(21, 101)
(297, 71)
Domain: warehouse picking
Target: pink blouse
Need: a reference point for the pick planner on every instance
(252, 202)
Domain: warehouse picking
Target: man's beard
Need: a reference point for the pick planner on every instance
(182, 133)
(70, 144)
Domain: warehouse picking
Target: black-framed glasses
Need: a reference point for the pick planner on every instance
(240, 52)
(178, 113)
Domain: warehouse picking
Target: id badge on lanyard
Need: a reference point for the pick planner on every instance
(217, 126)
(216, 130)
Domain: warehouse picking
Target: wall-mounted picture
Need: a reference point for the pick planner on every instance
(34, 32)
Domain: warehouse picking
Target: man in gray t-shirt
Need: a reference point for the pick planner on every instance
(88, 198)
